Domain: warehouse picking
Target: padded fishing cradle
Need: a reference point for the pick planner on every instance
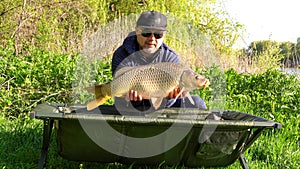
(211, 138)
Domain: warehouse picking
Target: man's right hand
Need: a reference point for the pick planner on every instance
(173, 94)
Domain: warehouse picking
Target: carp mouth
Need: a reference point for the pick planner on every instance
(202, 81)
(190, 80)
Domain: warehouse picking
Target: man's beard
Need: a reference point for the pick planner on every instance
(149, 51)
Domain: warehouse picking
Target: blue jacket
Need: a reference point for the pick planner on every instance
(128, 54)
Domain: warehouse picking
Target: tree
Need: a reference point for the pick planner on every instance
(287, 51)
(61, 26)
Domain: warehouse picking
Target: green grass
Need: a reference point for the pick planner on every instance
(20, 143)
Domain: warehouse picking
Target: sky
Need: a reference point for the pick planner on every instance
(277, 20)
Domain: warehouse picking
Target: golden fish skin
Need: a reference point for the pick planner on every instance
(153, 81)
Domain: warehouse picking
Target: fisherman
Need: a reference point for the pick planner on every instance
(143, 46)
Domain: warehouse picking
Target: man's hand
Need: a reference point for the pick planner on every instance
(173, 94)
(133, 96)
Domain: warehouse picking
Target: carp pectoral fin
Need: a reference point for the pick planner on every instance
(188, 95)
(97, 102)
(156, 102)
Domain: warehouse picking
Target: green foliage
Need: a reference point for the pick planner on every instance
(62, 26)
(287, 49)
(215, 94)
(263, 55)
(259, 47)
(276, 96)
(266, 93)
(28, 80)
(89, 72)
(50, 25)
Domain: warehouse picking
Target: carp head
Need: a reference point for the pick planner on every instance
(190, 80)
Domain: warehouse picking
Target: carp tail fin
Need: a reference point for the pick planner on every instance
(97, 102)
(102, 93)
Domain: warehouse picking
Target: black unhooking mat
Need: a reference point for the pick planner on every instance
(175, 136)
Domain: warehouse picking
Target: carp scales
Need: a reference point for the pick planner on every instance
(153, 81)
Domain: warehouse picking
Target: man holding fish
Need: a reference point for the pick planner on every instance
(142, 67)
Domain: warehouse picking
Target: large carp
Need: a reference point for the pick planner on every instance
(153, 81)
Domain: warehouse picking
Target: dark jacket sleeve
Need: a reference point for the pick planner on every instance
(119, 55)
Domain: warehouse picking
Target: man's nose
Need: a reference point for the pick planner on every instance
(152, 36)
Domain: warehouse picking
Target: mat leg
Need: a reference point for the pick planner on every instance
(243, 161)
(48, 124)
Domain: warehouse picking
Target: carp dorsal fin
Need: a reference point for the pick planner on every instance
(122, 71)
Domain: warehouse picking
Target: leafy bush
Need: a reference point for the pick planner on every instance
(89, 72)
(215, 94)
(269, 92)
(27, 80)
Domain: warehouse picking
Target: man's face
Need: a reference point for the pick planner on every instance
(149, 40)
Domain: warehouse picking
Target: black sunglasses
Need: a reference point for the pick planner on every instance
(147, 33)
